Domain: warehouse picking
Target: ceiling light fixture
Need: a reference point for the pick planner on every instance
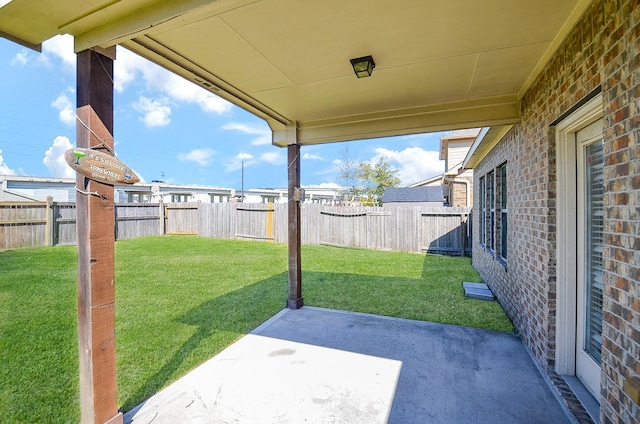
(363, 66)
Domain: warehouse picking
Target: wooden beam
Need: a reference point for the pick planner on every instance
(96, 246)
(294, 300)
(491, 112)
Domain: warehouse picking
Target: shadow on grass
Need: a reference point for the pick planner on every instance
(435, 296)
(237, 312)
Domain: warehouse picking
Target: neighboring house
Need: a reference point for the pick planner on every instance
(26, 189)
(413, 196)
(556, 226)
(430, 182)
(19, 188)
(456, 182)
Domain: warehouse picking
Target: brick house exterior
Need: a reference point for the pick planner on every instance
(457, 182)
(598, 62)
(458, 191)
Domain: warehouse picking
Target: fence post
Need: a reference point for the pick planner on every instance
(49, 225)
(463, 234)
(269, 224)
(162, 227)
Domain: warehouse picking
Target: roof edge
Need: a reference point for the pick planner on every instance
(484, 142)
(17, 40)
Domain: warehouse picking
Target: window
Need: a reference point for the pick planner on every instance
(218, 198)
(180, 198)
(492, 195)
(483, 211)
(491, 206)
(502, 195)
(594, 222)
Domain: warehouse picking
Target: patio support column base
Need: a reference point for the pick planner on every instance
(118, 419)
(294, 300)
(295, 303)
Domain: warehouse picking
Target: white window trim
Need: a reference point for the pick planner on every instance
(566, 231)
(482, 219)
(502, 210)
(491, 209)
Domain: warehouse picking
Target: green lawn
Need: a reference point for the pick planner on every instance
(180, 300)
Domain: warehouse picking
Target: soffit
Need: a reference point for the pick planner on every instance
(439, 64)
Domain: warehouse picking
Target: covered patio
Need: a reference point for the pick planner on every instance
(435, 65)
(315, 365)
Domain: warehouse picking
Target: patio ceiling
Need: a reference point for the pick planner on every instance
(440, 64)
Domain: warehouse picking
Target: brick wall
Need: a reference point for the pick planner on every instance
(523, 282)
(458, 191)
(603, 50)
(621, 328)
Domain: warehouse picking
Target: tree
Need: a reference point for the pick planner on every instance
(377, 178)
(348, 173)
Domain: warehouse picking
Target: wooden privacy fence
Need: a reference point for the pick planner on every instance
(37, 224)
(25, 225)
(411, 229)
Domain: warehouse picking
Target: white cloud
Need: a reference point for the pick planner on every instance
(21, 58)
(274, 158)
(66, 109)
(142, 179)
(313, 156)
(60, 46)
(263, 132)
(126, 67)
(263, 140)
(54, 158)
(157, 113)
(324, 185)
(129, 65)
(236, 163)
(413, 163)
(4, 168)
(245, 128)
(200, 156)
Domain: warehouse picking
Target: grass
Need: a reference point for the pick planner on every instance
(180, 300)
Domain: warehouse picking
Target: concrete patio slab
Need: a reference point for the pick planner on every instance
(316, 365)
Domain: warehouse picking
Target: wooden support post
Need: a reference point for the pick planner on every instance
(96, 246)
(295, 300)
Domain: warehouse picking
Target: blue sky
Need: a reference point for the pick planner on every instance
(167, 128)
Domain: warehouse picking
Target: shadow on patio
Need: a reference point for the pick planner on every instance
(428, 290)
(321, 366)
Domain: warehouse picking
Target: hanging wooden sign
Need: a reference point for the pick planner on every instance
(100, 166)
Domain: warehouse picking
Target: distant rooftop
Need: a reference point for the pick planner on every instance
(468, 133)
(413, 194)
